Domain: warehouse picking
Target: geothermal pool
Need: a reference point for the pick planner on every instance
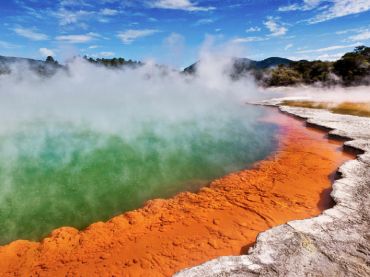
(57, 172)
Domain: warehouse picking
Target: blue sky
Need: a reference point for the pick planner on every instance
(173, 31)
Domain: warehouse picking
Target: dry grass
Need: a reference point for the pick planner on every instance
(360, 109)
(351, 108)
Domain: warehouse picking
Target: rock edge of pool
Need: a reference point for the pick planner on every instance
(336, 243)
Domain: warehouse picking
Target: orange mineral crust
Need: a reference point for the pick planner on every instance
(166, 236)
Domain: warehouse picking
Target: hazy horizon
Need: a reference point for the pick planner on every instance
(174, 31)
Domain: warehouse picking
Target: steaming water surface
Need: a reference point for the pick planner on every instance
(81, 159)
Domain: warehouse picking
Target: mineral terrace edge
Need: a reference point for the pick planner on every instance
(335, 243)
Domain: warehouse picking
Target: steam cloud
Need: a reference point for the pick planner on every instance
(70, 142)
(90, 142)
(323, 94)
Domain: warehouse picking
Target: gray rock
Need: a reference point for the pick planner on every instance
(336, 243)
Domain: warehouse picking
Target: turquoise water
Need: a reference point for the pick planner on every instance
(56, 173)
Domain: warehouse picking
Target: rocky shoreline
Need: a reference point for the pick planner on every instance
(336, 243)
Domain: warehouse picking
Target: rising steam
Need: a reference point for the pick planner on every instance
(90, 142)
(336, 94)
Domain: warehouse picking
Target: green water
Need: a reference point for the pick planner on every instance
(56, 174)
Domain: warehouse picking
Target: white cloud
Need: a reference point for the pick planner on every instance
(93, 46)
(274, 27)
(330, 57)
(7, 45)
(75, 38)
(342, 32)
(292, 7)
(330, 48)
(30, 34)
(288, 46)
(299, 58)
(204, 21)
(186, 5)
(96, 35)
(174, 46)
(253, 29)
(174, 40)
(362, 36)
(106, 54)
(46, 52)
(248, 39)
(67, 17)
(341, 8)
(103, 20)
(130, 36)
(109, 12)
(306, 5)
(329, 9)
(71, 3)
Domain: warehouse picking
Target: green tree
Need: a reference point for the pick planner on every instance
(50, 60)
(284, 76)
(354, 67)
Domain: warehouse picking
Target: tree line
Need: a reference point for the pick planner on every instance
(114, 63)
(351, 69)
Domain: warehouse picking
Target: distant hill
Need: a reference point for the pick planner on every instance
(352, 69)
(243, 64)
(7, 60)
(47, 67)
(50, 66)
(272, 62)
